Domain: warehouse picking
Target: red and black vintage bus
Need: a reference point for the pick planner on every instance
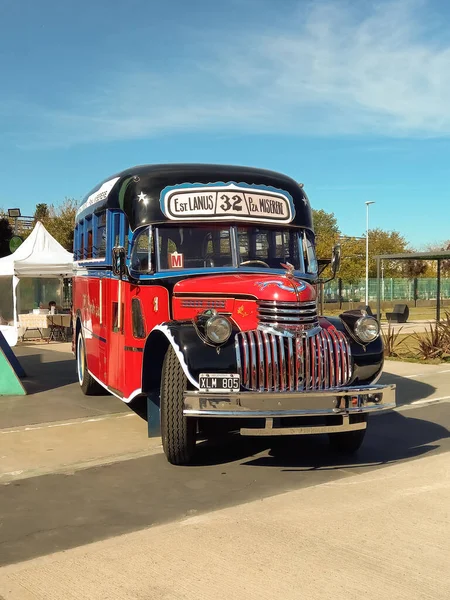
(195, 287)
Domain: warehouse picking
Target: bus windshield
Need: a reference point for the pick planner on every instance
(220, 246)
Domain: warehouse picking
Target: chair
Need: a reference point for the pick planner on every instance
(400, 314)
(367, 309)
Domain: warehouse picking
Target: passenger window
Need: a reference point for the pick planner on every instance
(137, 319)
(141, 255)
(89, 244)
(100, 235)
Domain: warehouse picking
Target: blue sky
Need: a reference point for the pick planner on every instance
(352, 98)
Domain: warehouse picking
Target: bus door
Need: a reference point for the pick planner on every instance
(117, 290)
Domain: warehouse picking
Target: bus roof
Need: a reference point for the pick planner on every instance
(173, 193)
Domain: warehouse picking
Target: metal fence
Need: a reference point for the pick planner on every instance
(391, 289)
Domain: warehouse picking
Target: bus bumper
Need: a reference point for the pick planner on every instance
(291, 413)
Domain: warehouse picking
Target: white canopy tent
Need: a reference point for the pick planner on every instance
(40, 256)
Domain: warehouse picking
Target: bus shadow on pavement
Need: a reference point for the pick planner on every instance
(408, 390)
(42, 376)
(390, 437)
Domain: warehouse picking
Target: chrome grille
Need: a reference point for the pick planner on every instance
(196, 303)
(271, 362)
(287, 314)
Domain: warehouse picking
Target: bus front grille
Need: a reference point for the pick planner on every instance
(271, 362)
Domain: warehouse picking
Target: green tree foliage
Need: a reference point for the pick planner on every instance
(42, 212)
(380, 242)
(415, 268)
(327, 232)
(60, 222)
(353, 250)
(6, 232)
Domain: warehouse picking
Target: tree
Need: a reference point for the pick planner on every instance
(415, 268)
(60, 222)
(327, 232)
(380, 242)
(6, 233)
(41, 213)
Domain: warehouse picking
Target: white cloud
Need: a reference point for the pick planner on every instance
(334, 68)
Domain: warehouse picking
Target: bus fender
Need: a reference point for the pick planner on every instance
(194, 354)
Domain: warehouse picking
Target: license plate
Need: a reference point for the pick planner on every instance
(211, 382)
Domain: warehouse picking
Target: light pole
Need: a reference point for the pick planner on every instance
(367, 250)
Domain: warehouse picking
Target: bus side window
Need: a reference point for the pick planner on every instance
(100, 235)
(137, 319)
(88, 253)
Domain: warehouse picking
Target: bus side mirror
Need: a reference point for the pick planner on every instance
(118, 261)
(336, 259)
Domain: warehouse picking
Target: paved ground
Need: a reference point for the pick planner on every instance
(78, 471)
(381, 534)
(410, 326)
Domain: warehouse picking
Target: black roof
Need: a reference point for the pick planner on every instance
(176, 192)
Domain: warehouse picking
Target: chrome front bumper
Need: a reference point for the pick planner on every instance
(345, 402)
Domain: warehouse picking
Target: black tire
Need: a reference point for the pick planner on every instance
(88, 385)
(177, 431)
(348, 442)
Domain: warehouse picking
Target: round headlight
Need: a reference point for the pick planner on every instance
(218, 329)
(367, 329)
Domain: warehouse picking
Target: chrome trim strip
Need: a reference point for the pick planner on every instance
(291, 364)
(337, 357)
(321, 362)
(333, 382)
(270, 371)
(282, 363)
(275, 366)
(307, 365)
(294, 319)
(252, 351)
(338, 401)
(238, 356)
(287, 311)
(313, 430)
(246, 372)
(283, 303)
(261, 372)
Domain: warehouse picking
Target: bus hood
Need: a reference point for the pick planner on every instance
(259, 286)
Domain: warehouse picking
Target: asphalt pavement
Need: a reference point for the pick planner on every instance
(80, 470)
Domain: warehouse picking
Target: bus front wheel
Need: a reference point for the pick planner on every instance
(88, 385)
(177, 431)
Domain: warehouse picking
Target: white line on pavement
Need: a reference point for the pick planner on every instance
(428, 400)
(419, 403)
(423, 374)
(66, 424)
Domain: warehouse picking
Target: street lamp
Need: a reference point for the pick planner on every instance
(14, 213)
(367, 250)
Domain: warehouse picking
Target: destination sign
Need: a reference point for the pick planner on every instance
(227, 202)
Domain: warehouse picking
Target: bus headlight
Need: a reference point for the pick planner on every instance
(218, 329)
(367, 329)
